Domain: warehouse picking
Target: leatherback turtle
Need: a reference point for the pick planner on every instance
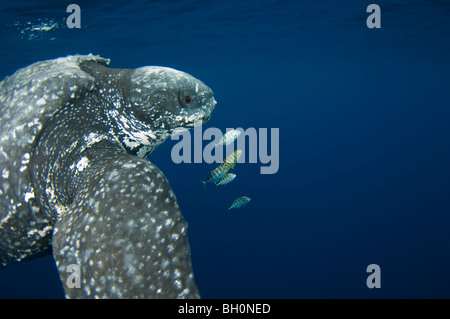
(75, 179)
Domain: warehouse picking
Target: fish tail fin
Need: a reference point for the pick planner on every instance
(204, 184)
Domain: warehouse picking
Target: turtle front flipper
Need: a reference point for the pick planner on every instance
(125, 232)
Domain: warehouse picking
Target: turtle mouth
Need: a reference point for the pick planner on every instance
(206, 117)
(188, 119)
(195, 118)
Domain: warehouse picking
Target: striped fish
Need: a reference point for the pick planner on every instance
(232, 159)
(215, 175)
(241, 201)
(229, 137)
(227, 164)
(226, 179)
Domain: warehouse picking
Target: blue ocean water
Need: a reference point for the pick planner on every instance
(364, 148)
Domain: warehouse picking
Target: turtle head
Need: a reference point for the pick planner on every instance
(160, 101)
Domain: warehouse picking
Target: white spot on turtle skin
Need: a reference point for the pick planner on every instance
(82, 163)
(184, 293)
(5, 219)
(28, 196)
(41, 233)
(5, 173)
(41, 101)
(25, 159)
(178, 284)
(168, 222)
(130, 143)
(87, 255)
(129, 165)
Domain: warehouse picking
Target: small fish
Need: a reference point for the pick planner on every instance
(232, 159)
(226, 179)
(241, 201)
(215, 175)
(229, 137)
(223, 168)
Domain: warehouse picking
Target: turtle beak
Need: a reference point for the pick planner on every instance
(211, 109)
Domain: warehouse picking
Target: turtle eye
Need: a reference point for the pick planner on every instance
(186, 98)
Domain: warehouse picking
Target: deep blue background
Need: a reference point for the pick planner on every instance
(364, 137)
